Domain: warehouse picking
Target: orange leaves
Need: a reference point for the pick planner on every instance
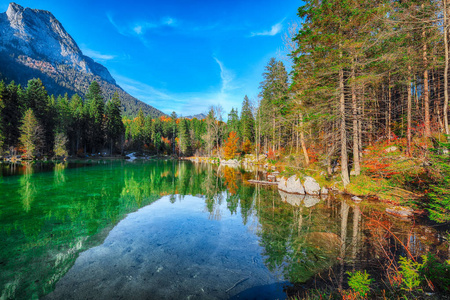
(247, 146)
(231, 146)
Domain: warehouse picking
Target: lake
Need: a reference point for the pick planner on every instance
(167, 229)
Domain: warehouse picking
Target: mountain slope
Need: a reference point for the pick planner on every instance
(33, 43)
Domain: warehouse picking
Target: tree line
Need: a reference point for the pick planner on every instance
(37, 124)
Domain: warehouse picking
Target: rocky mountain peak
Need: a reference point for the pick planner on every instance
(39, 35)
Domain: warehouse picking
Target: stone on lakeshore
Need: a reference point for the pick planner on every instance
(400, 211)
(291, 185)
(356, 199)
(311, 186)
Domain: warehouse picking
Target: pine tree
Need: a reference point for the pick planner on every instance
(31, 137)
(114, 127)
(95, 109)
(184, 138)
(233, 123)
(247, 121)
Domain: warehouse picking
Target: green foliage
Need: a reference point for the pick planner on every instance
(439, 196)
(359, 282)
(437, 272)
(409, 270)
(31, 137)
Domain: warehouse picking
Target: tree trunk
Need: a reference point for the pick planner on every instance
(446, 129)
(426, 92)
(356, 164)
(409, 117)
(344, 157)
(389, 112)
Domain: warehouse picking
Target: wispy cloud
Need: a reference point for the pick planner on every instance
(97, 55)
(226, 76)
(276, 29)
(139, 28)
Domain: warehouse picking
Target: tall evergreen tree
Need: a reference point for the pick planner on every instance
(247, 121)
(95, 108)
(31, 137)
(114, 127)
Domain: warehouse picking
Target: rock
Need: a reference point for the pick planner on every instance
(324, 191)
(310, 201)
(356, 199)
(231, 162)
(391, 149)
(291, 185)
(400, 211)
(352, 173)
(311, 186)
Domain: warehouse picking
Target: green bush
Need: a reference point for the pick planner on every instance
(409, 270)
(359, 282)
(438, 273)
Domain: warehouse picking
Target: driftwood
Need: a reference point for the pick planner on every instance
(262, 182)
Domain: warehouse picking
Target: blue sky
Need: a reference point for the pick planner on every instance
(181, 56)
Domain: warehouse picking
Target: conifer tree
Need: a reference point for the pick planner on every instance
(95, 109)
(114, 127)
(247, 121)
(31, 137)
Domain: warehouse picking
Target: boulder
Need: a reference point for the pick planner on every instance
(356, 199)
(324, 191)
(291, 185)
(231, 162)
(400, 211)
(311, 186)
(391, 149)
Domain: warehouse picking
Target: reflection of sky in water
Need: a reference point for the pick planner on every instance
(173, 250)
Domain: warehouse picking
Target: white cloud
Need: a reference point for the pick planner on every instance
(273, 31)
(97, 55)
(226, 76)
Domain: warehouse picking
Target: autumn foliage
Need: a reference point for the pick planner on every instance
(231, 146)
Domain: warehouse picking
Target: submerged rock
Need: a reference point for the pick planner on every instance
(311, 186)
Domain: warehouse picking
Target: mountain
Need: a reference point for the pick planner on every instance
(200, 116)
(34, 44)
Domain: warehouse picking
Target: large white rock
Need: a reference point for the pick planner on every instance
(291, 185)
(311, 186)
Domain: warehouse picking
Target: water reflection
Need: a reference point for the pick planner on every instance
(27, 188)
(49, 218)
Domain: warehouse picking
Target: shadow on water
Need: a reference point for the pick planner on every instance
(87, 230)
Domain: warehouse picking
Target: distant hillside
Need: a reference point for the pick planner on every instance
(34, 44)
(198, 116)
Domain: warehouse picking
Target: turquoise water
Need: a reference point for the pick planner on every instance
(174, 230)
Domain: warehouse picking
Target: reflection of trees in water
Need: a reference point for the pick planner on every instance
(60, 177)
(27, 189)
